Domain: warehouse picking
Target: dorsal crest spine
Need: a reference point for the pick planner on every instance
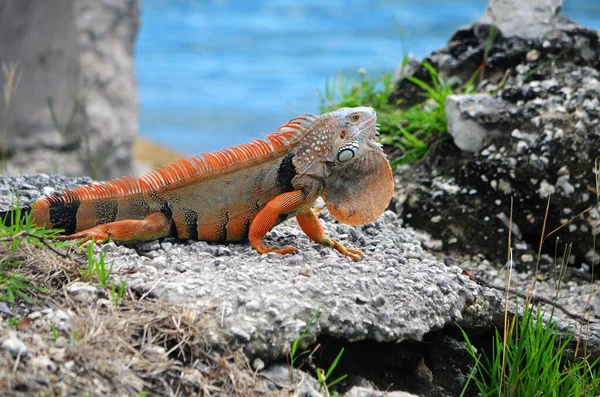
(197, 166)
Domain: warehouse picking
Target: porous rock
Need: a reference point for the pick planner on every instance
(535, 137)
(73, 105)
(262, 303)
(464, 114)
(13, 344)
(529, 19)
(43, 363)
(83, 292)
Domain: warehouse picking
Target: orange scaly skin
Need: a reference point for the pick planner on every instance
(240, 192)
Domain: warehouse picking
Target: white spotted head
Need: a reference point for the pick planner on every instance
(336, 139)
(356, 129)
(358, 178)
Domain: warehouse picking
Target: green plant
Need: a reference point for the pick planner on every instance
(322, 376)
(12, 78)
(96, 266)
(116, 295)
(15, 229)
(294, 355)
(17, 224)
(11, 322)
(534, 362)
(18, 227)
(529, 358)
(54, 332)
(14, 285)
(413, 132)
(66, 129)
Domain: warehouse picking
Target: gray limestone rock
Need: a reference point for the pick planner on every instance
(532, 132)
(84, 293)
(528, 19)
(262, 303)
(73, 105)
(398, 303)
(491, 47)
(13, 344)
(464, 114)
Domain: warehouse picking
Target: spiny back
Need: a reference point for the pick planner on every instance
(186, 170)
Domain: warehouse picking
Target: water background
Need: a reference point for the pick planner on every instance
(213, 74)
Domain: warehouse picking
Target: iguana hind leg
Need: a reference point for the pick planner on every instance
(314, 230)
(154, 225)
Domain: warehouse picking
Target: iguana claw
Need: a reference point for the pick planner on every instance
(282, 251)
(353, 253)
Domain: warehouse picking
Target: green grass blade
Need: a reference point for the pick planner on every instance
(334, 363)
(336, 381)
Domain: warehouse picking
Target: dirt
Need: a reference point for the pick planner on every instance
(143, 346)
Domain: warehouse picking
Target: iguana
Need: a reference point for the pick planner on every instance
(242, 191)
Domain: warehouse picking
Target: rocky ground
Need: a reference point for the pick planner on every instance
(209, 319)
(524, 147)
(221, 319)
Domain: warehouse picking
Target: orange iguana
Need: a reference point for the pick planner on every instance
(240, 192)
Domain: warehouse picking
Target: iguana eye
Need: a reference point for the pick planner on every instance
(355, 117)
(347, 151)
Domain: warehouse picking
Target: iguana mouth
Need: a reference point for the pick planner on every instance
(373, 136)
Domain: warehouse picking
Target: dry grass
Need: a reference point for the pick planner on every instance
(142, 347)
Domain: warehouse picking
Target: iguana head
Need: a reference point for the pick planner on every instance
(354, 133)
(339, 148)
(358, 181)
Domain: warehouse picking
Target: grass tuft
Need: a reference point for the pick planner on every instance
(323, 377)
(18, 230)
(413, 132)
(530, 358)
(535, 362)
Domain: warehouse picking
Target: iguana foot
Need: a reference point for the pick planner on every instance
(310, 224)
(353, 253)
(97, 234)
(155, 225)
(267, 217)
(282, 251)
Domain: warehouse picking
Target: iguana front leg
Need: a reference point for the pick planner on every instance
(264, 221)
(292, 202)
(155, 225)
(309, 222)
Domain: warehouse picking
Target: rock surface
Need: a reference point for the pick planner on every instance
(397, 292)
(79, 56)
(13, 344)
(530, 19)
(534, 130)
(464, 114)
(262, 303)
(397, 308)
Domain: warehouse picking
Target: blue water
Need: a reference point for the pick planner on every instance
(218, 73)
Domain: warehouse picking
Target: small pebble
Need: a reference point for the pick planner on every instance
(13, 344)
